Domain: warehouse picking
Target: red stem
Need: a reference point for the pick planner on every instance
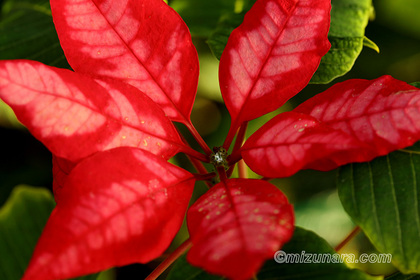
(194, 154)
(169, 260)
(204, 177)
(198, 138)
(349, 237)
(222, 173)
(241, 137)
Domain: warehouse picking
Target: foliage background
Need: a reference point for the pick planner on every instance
(395, 29)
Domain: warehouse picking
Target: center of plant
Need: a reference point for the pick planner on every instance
(219, 157)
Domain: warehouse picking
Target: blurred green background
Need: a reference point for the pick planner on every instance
(395, 28)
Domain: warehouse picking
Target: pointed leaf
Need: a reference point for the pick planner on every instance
(370, 44)
(272, 55)
(75, 116)
(291, 141)
(142, 42)
(237, 225)
(383, 198)
(118, 207)
(382, 113)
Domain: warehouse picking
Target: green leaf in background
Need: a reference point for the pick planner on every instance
(416, 84)
(182, 270)
(8, 117)
(27, 32)
(400, 276)
(302, 241)
(382, 197)
(202, 16)
(324, 214)
(22, 219)
(349, 19)
(310, 243)
(218, 39)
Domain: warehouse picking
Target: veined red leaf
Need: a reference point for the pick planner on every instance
(272, 55)
(75, 116)
(383, 113)
(118, 207)
(61, 169)
(237, 225)
(142, 42)
(292, 141)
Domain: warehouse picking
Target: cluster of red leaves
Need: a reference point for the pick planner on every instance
(109, 127)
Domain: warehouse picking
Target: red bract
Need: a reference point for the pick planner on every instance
(225, 227)
(108, 125)
(112, 214)
(143, 43)
(272, 56)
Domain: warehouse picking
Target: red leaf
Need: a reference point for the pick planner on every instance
(292, 141)
(121, 206)
(382, 113)
(237, 225)
(75, 116)
(142, 42)
(272, 55)
(61, 169)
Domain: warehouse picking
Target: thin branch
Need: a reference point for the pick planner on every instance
(349, 237)
(170, 260)
(198, 138)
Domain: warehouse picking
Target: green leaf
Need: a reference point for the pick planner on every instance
(218, 39)
(347, 36)
(370, 44)
(27, 32)
(400, 276)
(416, 84)
(382, 197)
(349, 19)
(310, 243)
(182, 268)
(22, 219)
(302, 241)
(8, 117)
(202, 16)
(339, 59)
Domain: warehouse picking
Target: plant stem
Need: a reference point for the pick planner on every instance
(241, 137)
(242, 169)
(204, 177)
(222, 173)
(194, 154)
(169, 260)
(349, 237)
(198, 138)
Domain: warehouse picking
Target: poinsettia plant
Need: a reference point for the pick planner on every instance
(109, 124)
